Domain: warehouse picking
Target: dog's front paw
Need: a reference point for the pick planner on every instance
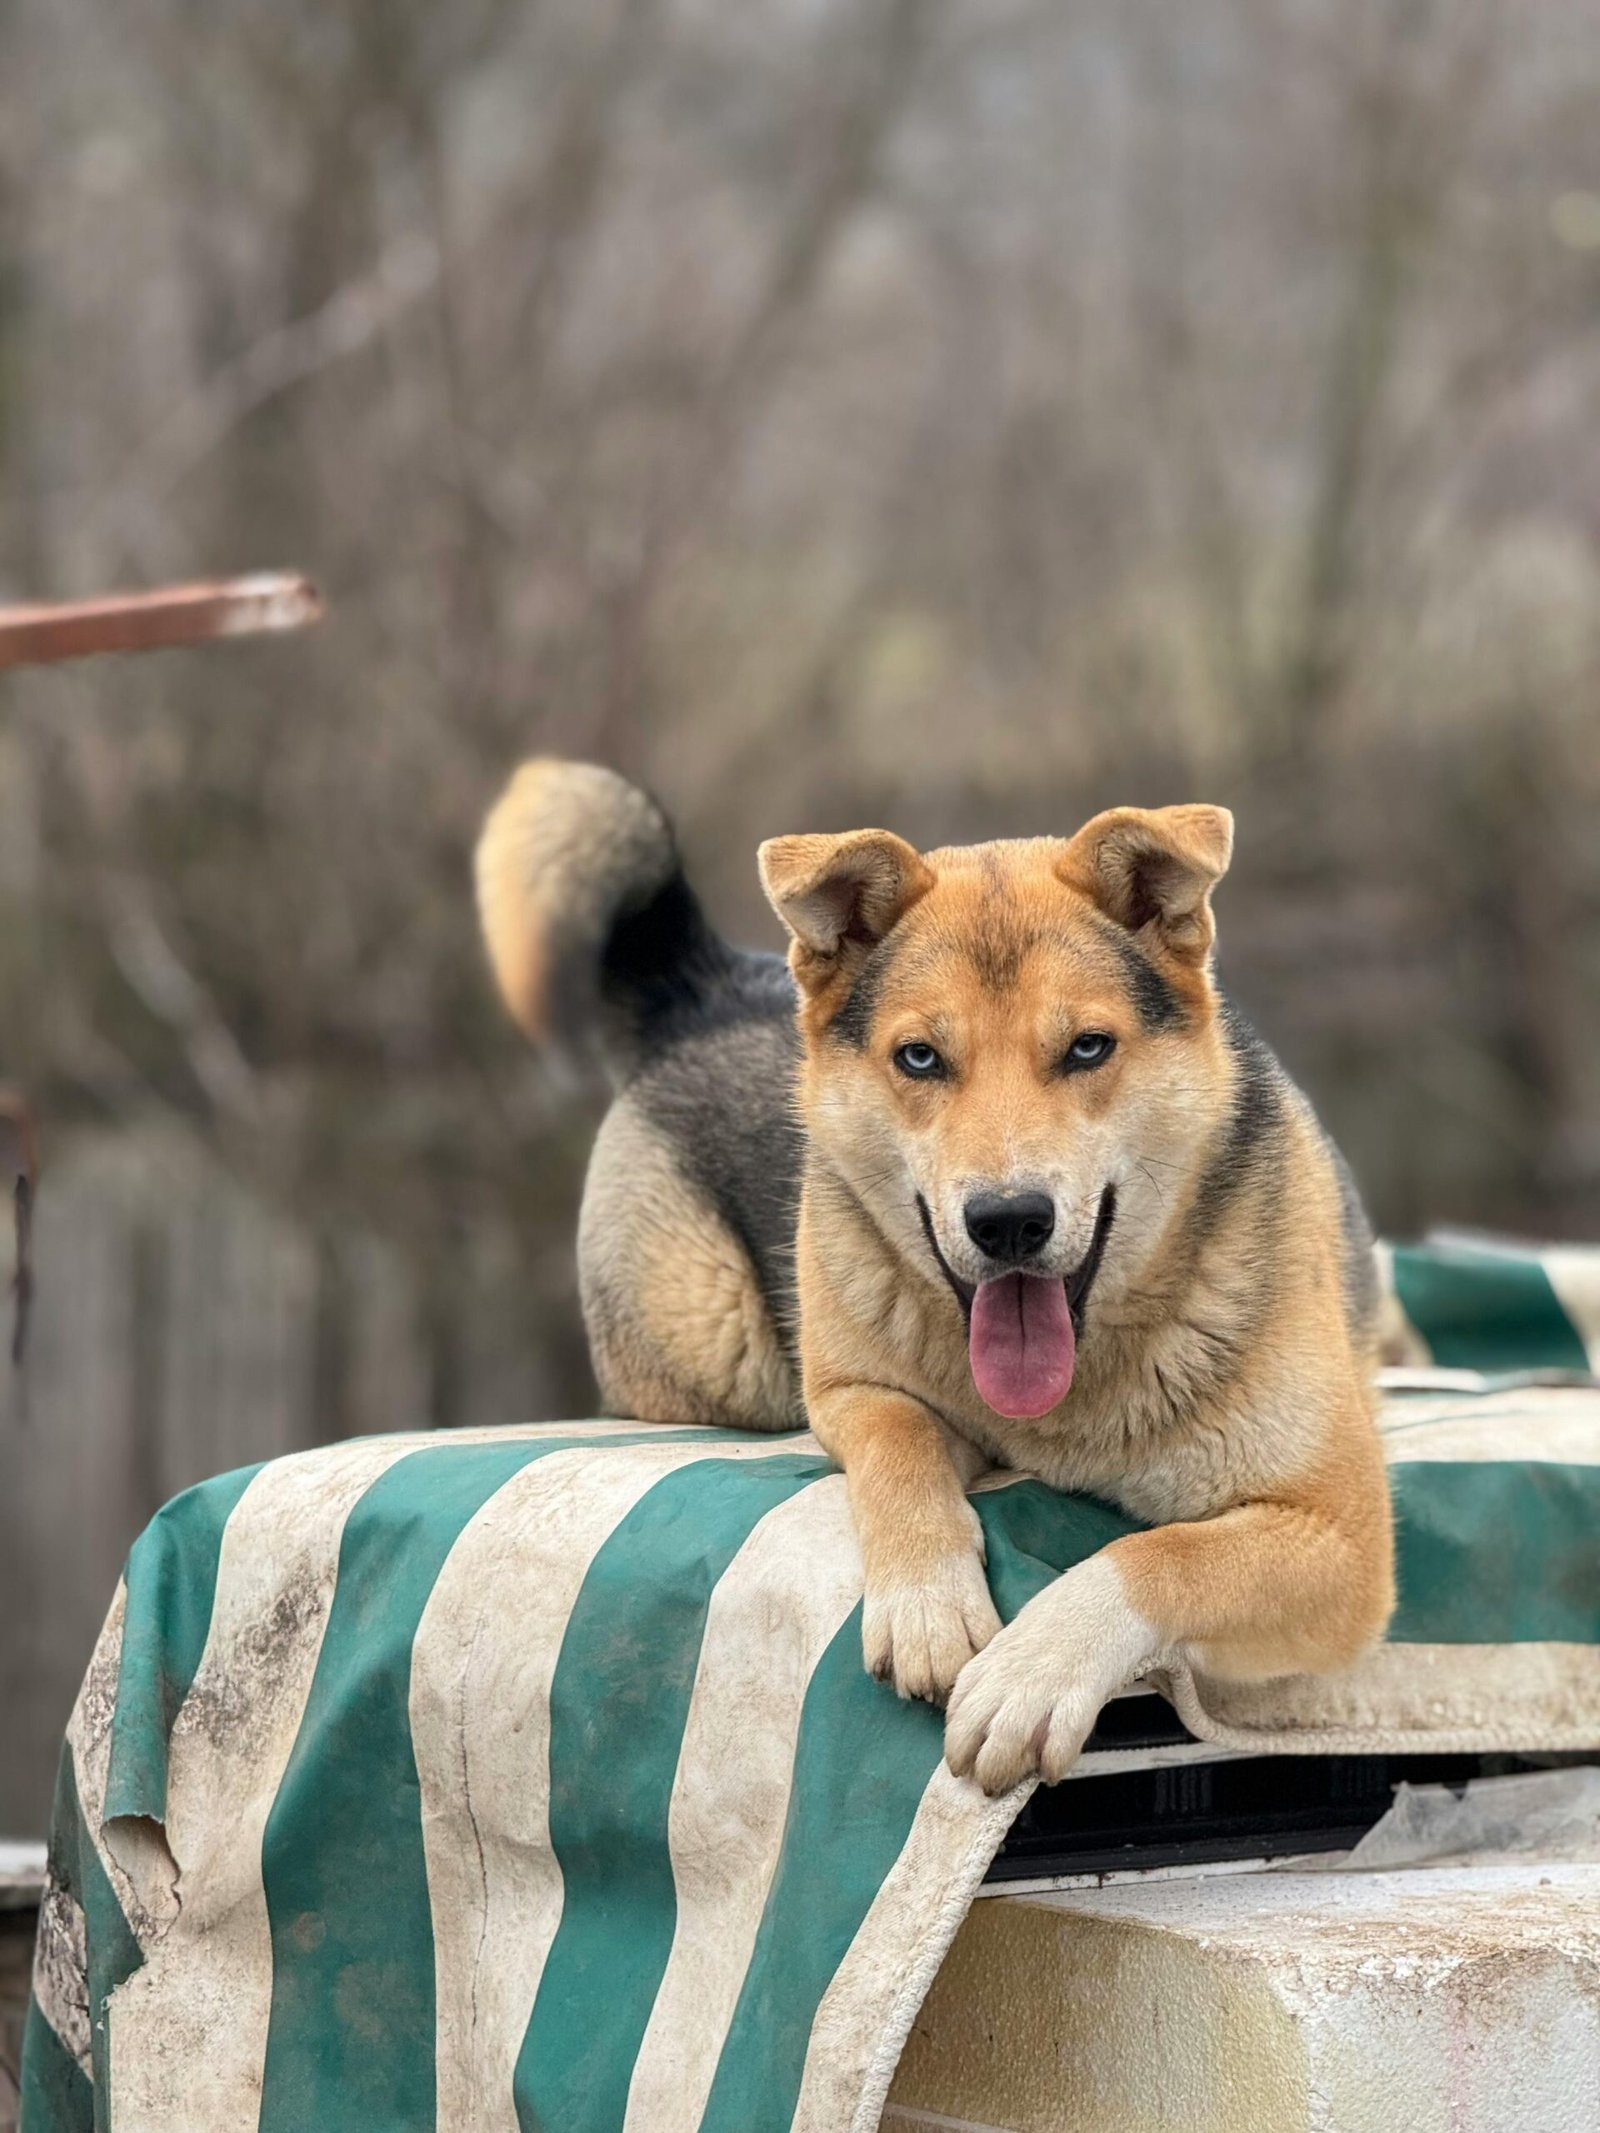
(1026, 1705)
(1011, 1716)
(920, 1636)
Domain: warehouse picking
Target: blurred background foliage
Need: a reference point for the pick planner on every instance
(956, 416)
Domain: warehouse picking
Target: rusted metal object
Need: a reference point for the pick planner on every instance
(19, 1176)
(142, 622)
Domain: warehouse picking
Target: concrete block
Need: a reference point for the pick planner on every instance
(1433, 2000)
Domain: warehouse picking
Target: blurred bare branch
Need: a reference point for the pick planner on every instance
(19, 1172)
(272, 365)
(170, 990)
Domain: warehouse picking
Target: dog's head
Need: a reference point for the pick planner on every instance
(1013, 1058)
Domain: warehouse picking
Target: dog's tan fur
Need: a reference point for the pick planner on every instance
(1222, 1389)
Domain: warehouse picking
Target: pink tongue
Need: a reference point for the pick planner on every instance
(1021, 1344)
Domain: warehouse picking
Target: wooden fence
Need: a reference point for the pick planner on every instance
(181, 1328)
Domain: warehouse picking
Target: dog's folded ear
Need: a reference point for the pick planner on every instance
(839, 893)
(1154, 867)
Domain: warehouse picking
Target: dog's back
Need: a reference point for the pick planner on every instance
(605, 959)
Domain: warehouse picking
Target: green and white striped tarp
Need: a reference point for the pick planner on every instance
(1470, 1304)
(531, 1779)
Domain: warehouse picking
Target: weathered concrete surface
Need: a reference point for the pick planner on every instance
(1435, 2000)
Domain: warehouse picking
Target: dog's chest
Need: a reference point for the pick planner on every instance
(1147, 1432)
(1163, 1418)
(1189, 1475)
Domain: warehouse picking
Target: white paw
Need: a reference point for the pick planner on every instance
(1026, 1705)
(921, 1636)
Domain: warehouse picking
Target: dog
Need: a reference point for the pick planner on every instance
(990, 1173)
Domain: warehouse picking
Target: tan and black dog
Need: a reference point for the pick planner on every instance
(996, 1177)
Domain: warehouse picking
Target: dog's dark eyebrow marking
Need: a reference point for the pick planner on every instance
(1158, 1003)
(852, 1025)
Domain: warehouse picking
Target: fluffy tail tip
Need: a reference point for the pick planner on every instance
(565, 849)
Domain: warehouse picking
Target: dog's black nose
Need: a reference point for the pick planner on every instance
(1010, 1227)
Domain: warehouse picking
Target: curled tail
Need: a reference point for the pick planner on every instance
(599, 945)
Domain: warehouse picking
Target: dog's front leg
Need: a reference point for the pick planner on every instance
(927, 1608)
(1264, 1589)
(1026, 1704)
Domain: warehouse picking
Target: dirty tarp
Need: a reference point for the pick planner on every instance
(530, 1778)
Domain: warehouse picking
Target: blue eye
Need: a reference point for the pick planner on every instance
(920, 1061)
(1089, 1050)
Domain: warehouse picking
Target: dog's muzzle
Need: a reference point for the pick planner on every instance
(1079, 1281)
